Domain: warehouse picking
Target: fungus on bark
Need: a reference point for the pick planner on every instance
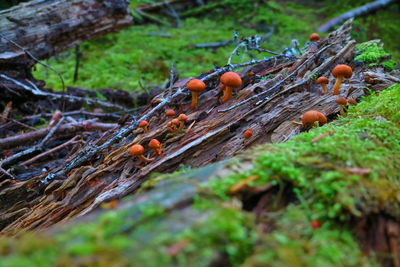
(138, 151)
(144, 125)
(310, 117)
(230, 80)
(314, 37)
(195, 86)
(156, 146)
(339, 72)
(323, 81)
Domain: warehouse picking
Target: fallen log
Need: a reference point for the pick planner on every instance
(45, 28)
(359, 11)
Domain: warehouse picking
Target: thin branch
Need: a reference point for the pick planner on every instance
(20, 123)
(36, 91)
(171, 80)
(214, 45)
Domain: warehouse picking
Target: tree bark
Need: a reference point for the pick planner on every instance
(47, 27)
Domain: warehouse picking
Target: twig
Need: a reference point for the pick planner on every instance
(316, 139)
(78, 55)
(214, 45)
(171, 80)
(70, 128)
(359, 11)
(20, 123)
(33, 149)
(7, 173)
(36, 91)
(173, 13)
(37, 60)
(50, 151)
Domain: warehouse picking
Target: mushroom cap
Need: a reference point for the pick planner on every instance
(136, 150)
(341, 101)
(143, 123)
(231, 79)
(314, 37)
(175, 121)
(311, 116)
(342, 70)
(248, 133)
(154, 143)
(182, 117)
(322, 80)
(352, 101)
(196, 85)
(170, 113)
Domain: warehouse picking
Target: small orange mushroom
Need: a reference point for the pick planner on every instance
(230, 80)
(310, 117)
(195, 86)
(171, 127)
(247, 134)
(314, 37)
(138, 151)
(156, 145)
(182, 118)
(323, 81)
(351, 101)
(170, 113)
(342, 101)
(144, 125)
(339, 72)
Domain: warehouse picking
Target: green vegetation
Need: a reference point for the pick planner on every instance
(374, 54)
(136, 57)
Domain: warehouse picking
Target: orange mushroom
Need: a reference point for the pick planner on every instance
(314, 37)
(339, 72)
(170, 113)
(156, 145)
(182, 118)
(323, 81)
(144, 125)
(138, 151)
(247, 134)
(171, 127)
(230, 80)
(195, 86)
(342, 101)
(351, 101)
(310, 117)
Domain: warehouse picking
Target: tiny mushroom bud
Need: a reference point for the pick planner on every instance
(323, 81)
(248, 133)
(144, 125)
(230, 80)
(312, 116)
(339, 72)
(314, 37)
(156, 145)
(351, 101)
(138, 151)
(195, 86)
(170, 113)
(342, 101)
(171, 127)
(182, 118)
(315, 224)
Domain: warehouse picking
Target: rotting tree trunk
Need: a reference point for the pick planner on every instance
(104, 170)
(47, 27)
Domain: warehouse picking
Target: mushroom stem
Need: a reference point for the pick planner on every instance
(194, 99)
(144, 159)
(324, 88)
(336, 87)
(341, 110)
(227, 94)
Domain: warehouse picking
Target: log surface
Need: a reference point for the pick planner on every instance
(47, 27)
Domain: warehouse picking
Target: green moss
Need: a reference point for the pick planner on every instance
(295, 243)
(370, 52)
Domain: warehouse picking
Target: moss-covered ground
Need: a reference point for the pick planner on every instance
(136, 57)
(324, 177)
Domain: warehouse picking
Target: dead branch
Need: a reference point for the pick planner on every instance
(37, 92)
(21, 139)
(359, 11)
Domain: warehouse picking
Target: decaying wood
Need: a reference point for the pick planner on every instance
(104, 170)
(45, 28)
(359, 11)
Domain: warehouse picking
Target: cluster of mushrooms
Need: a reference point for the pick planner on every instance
(341, 71)
(229, 81)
